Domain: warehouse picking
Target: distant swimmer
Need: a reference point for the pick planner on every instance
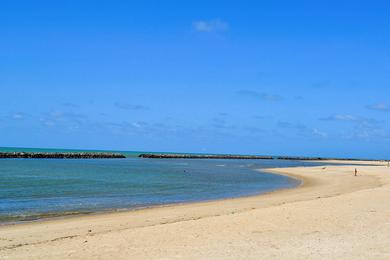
(355, 172)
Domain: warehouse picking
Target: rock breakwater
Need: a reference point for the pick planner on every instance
(29, 155)
(202, 156)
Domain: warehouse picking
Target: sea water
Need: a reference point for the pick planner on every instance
(36, 188)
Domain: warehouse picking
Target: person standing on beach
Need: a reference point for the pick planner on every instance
(355, 172)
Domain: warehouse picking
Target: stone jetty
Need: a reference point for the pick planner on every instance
(61, 155)
(201, 156)
(208, 156)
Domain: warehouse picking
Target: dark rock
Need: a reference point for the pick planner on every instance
(85, 155)
(202, 156)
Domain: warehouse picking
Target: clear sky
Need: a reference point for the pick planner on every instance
(258, 77)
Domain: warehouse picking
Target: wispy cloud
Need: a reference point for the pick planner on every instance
(221, 121)
(215, 25)
(340, 117)
(319, 133)
(68, 120)
(141, 128)
(360, 127)
(15, 116)
(351, 118)
(70, 105)
(128, 106)
(18, 116)
(368, 133)
(379, 107)
(288, 125)
(301, 129)
(259, 95)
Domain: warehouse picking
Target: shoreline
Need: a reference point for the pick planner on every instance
(66, 215)
(71, 215)
(318, 183)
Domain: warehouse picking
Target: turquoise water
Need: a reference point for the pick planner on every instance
(58, 150)
(35, 188)
(129, 154)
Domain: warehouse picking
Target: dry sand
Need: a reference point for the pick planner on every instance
(332, 215)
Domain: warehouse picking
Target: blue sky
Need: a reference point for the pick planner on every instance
(259, 77)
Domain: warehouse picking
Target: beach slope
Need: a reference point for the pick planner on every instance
(333, 214)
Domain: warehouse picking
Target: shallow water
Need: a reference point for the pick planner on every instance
(35, 188)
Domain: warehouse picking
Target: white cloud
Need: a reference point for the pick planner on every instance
(127, 106)
(18, 116)
(210, 26)
(259, 95)
(67, 120)
(319, 133)
(354, 119)
(340, 118)
(379, 107)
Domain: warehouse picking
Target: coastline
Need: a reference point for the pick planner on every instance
(36, 239)
(74, 214)
(54, 216)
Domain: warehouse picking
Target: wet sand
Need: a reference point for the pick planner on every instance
(333, 214)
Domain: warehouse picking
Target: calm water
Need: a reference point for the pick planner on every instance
(35, 188)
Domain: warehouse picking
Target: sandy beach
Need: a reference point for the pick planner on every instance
(332, 215)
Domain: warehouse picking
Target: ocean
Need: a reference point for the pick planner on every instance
(32, 189)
